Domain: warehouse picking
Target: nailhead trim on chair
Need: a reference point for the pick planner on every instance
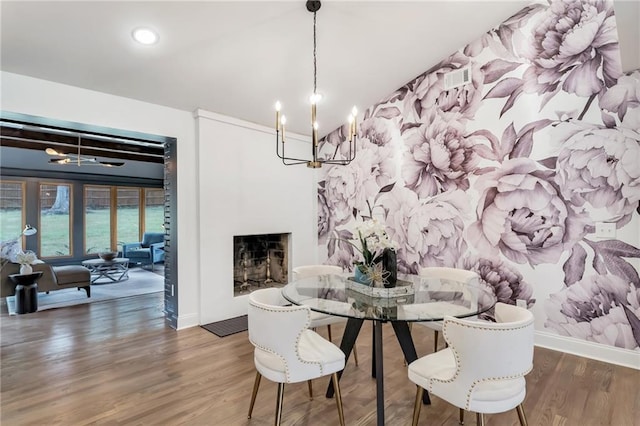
(286, 368)
(473, 385)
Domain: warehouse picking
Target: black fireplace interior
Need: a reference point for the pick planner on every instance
(259, 261)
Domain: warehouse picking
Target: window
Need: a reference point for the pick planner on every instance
(11, 209)
(97, 218)
(154, 210)
(106, 217)
(55, 220)
(128, 215)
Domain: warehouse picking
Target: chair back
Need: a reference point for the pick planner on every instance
(300, 272)
(149, 238)
(448, 273)
(276, 329)
(491, 351)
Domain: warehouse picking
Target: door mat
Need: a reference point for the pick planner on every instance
(227, 327)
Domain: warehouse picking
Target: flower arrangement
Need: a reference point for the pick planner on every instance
(372, 240)
(26, 257)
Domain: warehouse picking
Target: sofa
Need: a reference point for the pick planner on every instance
(53, 278)
(149, 251)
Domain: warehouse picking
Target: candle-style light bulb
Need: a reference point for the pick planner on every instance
(350, 120)
(278, 106)
(354, 113)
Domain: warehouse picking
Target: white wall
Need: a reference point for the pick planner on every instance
(26, 95)
(245, 189)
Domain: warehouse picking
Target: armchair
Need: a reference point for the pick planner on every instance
(148, 251)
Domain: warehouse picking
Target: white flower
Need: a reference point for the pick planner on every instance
(373, 239)
(26, 257)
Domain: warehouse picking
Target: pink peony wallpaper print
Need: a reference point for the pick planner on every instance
(509, 174)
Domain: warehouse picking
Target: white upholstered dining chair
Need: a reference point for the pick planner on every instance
(286, 350)
(454, 274)
(484, 366)
(318, 319)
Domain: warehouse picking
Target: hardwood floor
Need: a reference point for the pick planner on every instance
(116, 362)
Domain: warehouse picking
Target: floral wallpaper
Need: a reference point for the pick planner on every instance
(509, 174)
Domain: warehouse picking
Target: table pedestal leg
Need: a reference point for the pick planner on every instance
(377, 344)
(26, 298)
(351, 331)
(403, 334)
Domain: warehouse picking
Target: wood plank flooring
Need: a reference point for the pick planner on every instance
(117, 363)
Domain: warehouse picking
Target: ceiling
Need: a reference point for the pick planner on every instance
(238, 57)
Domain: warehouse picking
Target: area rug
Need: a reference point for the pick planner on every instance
(227, 327)
(139, 282)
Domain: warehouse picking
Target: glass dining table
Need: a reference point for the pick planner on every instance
(413, 299)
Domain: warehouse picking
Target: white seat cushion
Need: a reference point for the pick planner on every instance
(440, 365)
(323, 357)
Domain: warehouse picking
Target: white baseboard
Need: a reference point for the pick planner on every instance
(186, 321)
(597, 351)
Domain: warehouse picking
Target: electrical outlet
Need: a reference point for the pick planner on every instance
(605, 230)
(521, 303)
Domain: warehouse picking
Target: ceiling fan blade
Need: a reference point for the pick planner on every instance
(112, 163)
(59, 160)
(52, 151)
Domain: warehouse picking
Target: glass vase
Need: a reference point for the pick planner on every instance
(390, 265)
(361, 277)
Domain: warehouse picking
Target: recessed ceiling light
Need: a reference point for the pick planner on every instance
(145, 36)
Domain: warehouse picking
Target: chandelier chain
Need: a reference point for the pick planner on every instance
(315, 73)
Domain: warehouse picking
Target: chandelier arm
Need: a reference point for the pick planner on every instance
(282, 156)
(294, 163)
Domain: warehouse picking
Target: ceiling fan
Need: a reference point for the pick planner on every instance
(80, 160)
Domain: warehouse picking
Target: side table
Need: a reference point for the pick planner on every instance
(26, 292)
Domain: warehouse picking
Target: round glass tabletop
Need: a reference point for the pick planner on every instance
(414, 298)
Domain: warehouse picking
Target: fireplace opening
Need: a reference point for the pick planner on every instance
(260, 261)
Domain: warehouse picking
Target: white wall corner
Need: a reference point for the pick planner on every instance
(592, 350)
(188, 321)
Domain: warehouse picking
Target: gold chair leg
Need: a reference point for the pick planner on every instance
(279, 403)
(256, 385)
(355, 354)
(521, 416)
(479, 419)
(338, 396)
(435, 340)
(310, 389)
(329, 331)
(461, 416)
(417, 405)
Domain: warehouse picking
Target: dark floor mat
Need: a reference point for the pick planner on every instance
(227, 327)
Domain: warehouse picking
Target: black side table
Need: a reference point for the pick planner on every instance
(26, 292)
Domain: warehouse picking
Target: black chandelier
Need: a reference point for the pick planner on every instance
(315, 162)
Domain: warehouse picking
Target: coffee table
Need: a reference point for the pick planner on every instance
(108, 271)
